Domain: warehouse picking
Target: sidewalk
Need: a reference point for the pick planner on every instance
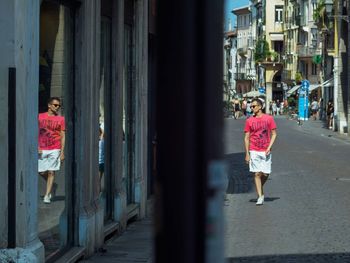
(319, 128)
(134, 245)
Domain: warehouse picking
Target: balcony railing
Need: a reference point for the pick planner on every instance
(286, 74)
(305, 51)
(300, 20)
(240, 76)
(242, 50)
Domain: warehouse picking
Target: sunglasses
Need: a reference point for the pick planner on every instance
(56, 105)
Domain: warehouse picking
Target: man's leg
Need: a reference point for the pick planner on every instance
(50, 178)
(258, 183)
(264, 178)
(43, 175)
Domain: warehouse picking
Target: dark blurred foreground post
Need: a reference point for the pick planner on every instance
(188, 221)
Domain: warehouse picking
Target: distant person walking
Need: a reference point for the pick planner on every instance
(314, 108)
(236, 108)
(244, 106)
(320, 109)
(260, 135)
(51, 144)
(330, 112)
(274, 108)
(249, 110)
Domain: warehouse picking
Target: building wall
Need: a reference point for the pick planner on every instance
(19, 44)
(290, 39)
(8, 60)
(270, 24)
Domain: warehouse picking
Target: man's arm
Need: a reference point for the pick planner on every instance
(63, 141)
(246, 145)
(273, 138)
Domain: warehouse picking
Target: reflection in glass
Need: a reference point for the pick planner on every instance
(104, 104)
(55, 80)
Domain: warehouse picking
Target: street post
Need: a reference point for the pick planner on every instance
(303, 101)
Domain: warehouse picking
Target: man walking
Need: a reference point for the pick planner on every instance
(260, 135)
(51, 144)
(314, 108)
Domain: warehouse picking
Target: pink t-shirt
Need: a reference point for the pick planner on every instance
(50, 128)
(260, 132)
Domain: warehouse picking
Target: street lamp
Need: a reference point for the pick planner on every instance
(329, 6)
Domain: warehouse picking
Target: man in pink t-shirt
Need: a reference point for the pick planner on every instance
(51, 142)
(260, 134)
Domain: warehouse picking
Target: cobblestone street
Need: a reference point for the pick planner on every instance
(306, 216)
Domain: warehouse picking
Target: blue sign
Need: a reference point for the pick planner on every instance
(304, 100)
(262, 90)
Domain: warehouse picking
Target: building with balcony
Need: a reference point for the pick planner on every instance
(230, 57)
(269, 30)
(290, 31)
(245, 66)
(302, 44)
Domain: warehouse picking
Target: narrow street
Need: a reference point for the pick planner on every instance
(306, 215)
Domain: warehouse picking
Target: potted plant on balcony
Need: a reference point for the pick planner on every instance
(298, 77)
(319, 14)
(273, 56)
(262, 50)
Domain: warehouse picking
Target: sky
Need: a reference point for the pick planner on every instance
(229, 6)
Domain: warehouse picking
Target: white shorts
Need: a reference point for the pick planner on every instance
(260, 162)
(49, 160)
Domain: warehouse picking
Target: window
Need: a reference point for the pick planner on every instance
(314, 69)
(278, 13)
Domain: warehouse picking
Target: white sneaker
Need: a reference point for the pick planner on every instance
(47, 199)
(260, 200)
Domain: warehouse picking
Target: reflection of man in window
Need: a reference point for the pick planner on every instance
(51, 143)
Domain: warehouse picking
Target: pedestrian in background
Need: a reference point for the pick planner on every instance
(249, 110)
(330, 112)
(314, 108)
(236, 109)
(278, 105)
(320, 109)
(274, 108)
(244, 106)
(281, 108)
(260, 135)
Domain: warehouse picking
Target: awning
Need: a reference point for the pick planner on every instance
(327, 83)
(254, 93)
(314, 86)
(292, 90)
(276, 36)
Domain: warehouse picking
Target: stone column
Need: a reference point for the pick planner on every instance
(20, 49)
(141, 29)
(268, 96)
(87, 83)
(117, 144)
(341, 120)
